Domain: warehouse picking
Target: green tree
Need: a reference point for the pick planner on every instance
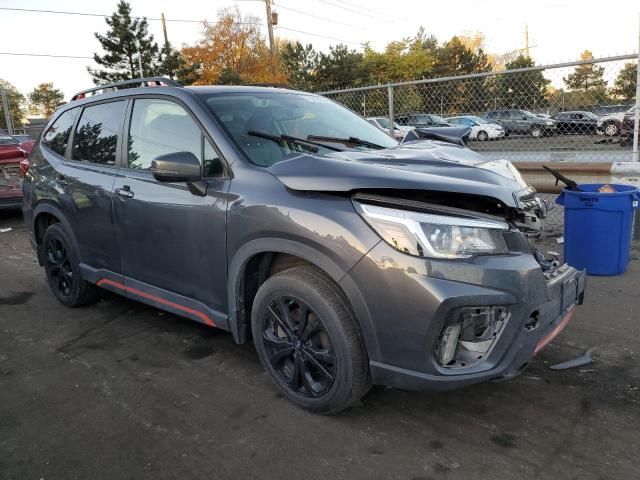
(229, 77)
(300, 64)
(341, 67)
(624, 86)
(455, 58)
(127, 40)
(586, 77)
(527, 90)
(16, 105)
(45, 98)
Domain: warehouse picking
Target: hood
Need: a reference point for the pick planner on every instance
(417, 165)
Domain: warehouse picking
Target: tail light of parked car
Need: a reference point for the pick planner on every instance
(471, 336)
(24, 167)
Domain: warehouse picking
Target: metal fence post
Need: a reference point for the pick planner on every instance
(636, 120)
(391, 114)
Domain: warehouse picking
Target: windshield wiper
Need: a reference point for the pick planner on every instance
(308, 145)
(351, 141)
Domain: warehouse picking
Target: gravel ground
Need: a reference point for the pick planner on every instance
(119, 390)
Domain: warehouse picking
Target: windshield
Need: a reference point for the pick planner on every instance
(383, 122)
(8, 140)
(437, 119)
(590, 115)
(479, 120)
(294, 114)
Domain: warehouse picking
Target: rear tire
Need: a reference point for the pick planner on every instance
(307, 339)
(62, 268)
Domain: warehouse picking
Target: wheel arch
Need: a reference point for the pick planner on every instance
(255, 261)
(44, 215)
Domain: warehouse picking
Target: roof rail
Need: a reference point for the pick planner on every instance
(272, 85)
(136, 82)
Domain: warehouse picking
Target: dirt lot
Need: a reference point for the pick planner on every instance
(119, 390)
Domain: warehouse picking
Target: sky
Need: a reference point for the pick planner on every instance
(558, 29)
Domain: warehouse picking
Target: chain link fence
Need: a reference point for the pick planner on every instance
(577, 111)
(580, 111)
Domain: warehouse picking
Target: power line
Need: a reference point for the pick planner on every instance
(337, 5)
(87, 14)
(41, 55)
(368, 9)
(279, 5)
(319, 35)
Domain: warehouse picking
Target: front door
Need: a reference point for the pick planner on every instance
(173, 242)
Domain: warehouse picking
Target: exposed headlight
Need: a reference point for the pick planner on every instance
(435, 236)
(549, 122)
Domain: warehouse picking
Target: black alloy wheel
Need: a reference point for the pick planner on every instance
(58, 267)
(308, 340)
(298, 347)
(62, 267)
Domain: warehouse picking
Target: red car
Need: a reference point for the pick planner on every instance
(12, 155)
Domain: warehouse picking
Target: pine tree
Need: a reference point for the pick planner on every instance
(45, 99)
(625, 84)
(126, 40)
(586, 77)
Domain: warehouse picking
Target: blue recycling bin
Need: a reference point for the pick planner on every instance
(597, 227)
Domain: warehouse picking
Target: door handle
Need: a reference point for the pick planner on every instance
(125, 191)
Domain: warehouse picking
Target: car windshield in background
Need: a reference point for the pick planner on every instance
(479, 120)
(248, 116)
(590, 115)
(437, 119)
(383, 122)
(8, 140)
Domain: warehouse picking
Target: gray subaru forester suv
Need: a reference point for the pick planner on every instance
(284, 218)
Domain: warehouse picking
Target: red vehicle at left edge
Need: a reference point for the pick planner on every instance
(13, 166)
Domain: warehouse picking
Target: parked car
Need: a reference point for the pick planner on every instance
(609, 125)
(481, 129)
(422, 120)
(522, 121)
(11, 154)
(626, 128)
(382, 123)
(603, 110)
(26, 142)
(348, 258)
(577, 122)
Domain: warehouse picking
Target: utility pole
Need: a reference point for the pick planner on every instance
(526, 40)
(140, 60)
(7, 113)
(272, 44)
(164, 29)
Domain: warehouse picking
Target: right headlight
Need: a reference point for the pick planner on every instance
(435, 236)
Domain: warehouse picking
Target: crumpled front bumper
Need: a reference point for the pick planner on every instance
(410, 304)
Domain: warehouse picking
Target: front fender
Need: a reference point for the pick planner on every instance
(287, 246)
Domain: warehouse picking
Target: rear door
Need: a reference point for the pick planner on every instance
(84, 169)
(173, 242)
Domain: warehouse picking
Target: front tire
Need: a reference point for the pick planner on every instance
(483, 136)
(536, 132)
(307, 339)
(62, 268)
(611, 129)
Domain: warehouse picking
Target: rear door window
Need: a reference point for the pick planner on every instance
(96, 137)
(57, 135)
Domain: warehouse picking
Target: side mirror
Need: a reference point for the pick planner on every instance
(524, 117)
(176, 167)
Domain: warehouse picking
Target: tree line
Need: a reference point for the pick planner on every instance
(233, 50)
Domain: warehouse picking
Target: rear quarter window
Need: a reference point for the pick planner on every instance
(57, 136)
